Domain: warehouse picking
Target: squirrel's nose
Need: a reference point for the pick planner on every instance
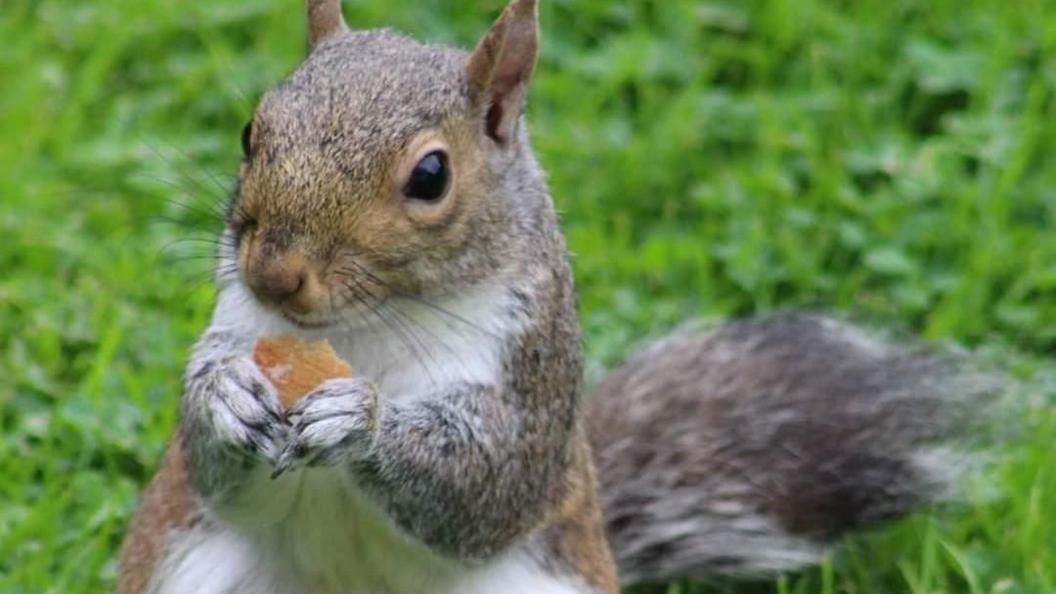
(278, 282)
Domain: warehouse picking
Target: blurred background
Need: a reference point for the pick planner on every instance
(887, 160)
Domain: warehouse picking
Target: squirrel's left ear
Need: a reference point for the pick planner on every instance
(324, 20)
(501, 67)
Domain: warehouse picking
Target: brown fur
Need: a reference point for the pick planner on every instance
(350, 213)
(166, 505)
(574, 534)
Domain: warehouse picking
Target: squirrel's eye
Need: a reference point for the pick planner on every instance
(247, 135)
(429, 180)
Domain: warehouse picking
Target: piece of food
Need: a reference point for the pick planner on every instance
(296, 367)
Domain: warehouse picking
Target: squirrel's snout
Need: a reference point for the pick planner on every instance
(278, 283)
(287, 282)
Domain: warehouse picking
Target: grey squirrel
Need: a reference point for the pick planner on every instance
(389, 202)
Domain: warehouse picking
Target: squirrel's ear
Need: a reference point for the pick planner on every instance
(324, 20)
(501, 67)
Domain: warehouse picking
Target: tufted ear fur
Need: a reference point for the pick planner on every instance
(324, 20)
(501, 66)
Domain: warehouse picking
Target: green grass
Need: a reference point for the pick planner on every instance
(887, 159)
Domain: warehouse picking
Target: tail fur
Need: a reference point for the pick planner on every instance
(746, 450)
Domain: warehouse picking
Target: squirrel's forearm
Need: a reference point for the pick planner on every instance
(468, 473)
(215, 469)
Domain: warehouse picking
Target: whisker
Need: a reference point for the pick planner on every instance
(212, 207)
(413, 343)
(207, 238)
(420, 300)
(182, 225)
(224, 190)
(182, 171)
(402, 322)
(357, 299)
(412, 322)
(401, 333)
(187, 248)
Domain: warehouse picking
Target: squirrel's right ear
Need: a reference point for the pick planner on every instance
(501, 67)
(324, 20)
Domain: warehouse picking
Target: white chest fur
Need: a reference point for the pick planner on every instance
(407, 348)
(313, 531)
(411, 349)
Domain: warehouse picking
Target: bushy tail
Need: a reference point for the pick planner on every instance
(744, 451)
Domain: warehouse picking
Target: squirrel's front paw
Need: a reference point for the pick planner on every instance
(334, 423)
(242, 408)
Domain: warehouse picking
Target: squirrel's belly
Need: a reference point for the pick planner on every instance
(335, 541)
(342, 543)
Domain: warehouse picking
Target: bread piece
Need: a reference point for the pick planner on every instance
(296, 367)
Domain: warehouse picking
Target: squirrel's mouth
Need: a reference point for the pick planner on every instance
(313, 323)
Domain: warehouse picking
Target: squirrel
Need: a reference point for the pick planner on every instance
(389, 201)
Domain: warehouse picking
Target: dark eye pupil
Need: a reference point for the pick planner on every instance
(247, 132)
(429, 179)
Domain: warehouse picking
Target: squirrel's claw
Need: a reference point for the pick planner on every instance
(287, 459)
(335, 422)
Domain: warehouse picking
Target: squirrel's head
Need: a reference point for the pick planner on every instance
(384, 166)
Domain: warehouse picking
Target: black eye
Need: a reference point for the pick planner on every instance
(247, 135)
(429, 180)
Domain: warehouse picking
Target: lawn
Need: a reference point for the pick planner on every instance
(887, 160)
